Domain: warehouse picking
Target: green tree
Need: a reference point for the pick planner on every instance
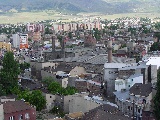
(155, 46)
(26, 95)
(157, 35)
(24, 66)
(2, 92)
(71, 90)
(38, 100)
(57, 110)
(156, 99)
(29, 39)
(55, 88)
(97, 34)
(47, 81)
(9, 73)
(47, 30)
(70, 35)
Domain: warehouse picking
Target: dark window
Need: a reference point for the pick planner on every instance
(50, 96)
(128, 107)
(20, 117)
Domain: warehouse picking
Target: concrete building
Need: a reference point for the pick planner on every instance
(136, 100)
(110, 75)
(16, 40)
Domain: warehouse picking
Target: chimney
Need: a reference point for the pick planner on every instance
(110, 51)
(53, 43)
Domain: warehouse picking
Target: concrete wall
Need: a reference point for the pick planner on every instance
(119, 84)
(64, 82)
(78, 104)
(132, 81)
(50, 101)
(40, 66)
(45, 74)
(109, 78)
(5, 99)
(77, 71)
(1, 112)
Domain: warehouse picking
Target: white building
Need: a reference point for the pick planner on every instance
(23, 41)
(16, 40)
(126, 84)
(110, 75)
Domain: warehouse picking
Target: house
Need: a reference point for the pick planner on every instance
(104, 112)
(15, 110)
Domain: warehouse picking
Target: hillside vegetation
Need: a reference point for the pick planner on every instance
(102, 6)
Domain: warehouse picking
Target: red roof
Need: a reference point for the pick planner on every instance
(15, 106)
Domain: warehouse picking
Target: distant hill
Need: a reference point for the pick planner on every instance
(103, 6)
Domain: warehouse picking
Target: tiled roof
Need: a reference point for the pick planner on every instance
(141, 89)
(15, 106)
(104, 112)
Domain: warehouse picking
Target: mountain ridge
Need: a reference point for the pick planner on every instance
(102, 6)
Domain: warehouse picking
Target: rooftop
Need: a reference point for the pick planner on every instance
(105, 112)
(75, 115)
(122, 96)
(141, 89)
(15, 106)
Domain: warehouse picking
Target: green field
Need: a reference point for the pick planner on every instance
(52, 15)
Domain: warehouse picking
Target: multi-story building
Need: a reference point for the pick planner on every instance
(16, 40)
(5, 46)
(36, 36)
(24, 41)
(32, 27)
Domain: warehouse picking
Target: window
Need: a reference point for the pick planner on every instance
(12, 118)
(27, 116)
(21, 117)
(50, 96)
(128, 107)
(128, 85)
